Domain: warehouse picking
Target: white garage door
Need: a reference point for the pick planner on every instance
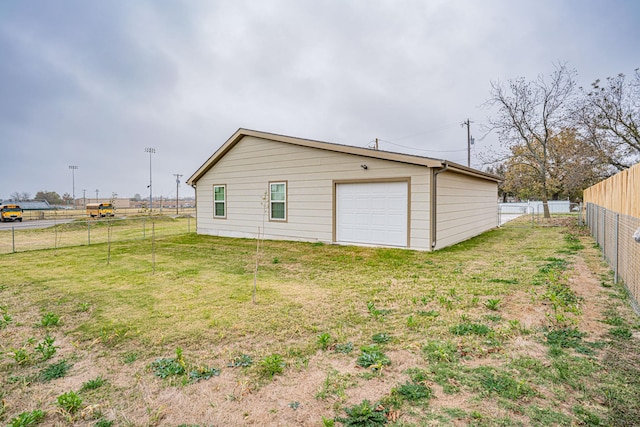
(372, 213)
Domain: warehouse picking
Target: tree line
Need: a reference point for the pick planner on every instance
(51, 197)
(559, 139)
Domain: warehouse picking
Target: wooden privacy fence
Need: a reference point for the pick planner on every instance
(619, 193)
(613, 215)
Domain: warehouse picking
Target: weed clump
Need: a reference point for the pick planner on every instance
(381, 338)
(272, 365)
(93, 384)
(372, 357)
(70, 402)
(57, 370)
(27, 419)
(440, 351)
(203, 373)
(242, 361)
(412, 391)
(50, 319)
(345, 348)
(324, 340)
(167, 367)
(470, 329)
(364, 414)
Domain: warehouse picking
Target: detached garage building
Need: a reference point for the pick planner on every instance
(305, 190)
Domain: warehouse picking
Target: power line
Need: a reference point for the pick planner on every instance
(418, 149)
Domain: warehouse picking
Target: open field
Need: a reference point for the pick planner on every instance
(519, 326)
(87, 232)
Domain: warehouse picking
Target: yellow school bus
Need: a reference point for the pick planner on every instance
(99, 210)
(10, 213)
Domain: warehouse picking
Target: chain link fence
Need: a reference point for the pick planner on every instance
(531, 214)
(613, 232)
(59, 233)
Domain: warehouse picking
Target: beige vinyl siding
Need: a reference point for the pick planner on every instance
(466, 207)
(310, 173)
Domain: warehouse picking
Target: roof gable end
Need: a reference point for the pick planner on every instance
(358, 151)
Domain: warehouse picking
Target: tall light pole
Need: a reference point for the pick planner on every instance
(151, 151)
(177, 175)
(97, 195)
(73, 182)
(84, 197)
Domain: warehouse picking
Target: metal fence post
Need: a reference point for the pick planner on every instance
(13, 239)
(144, 228)
(604, 233)
(580, 222)
(617, 249)
(88, 233)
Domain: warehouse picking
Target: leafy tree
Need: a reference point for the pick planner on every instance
(529, 114)
(608, 116)
(51, 197)
(572, 166)
(575, 165)
(500, 169)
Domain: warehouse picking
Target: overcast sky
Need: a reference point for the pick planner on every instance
(92, 83)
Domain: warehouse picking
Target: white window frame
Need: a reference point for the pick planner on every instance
(223, 202)
(285, 201)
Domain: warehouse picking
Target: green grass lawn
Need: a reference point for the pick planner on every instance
(459, 317)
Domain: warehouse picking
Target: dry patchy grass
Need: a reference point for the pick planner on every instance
(510, 328)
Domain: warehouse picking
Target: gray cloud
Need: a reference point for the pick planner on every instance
(92, 84)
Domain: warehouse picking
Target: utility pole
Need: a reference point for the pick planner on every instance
(97, 195)
(376, 144)
(177, 175)
(470, 140)
(84, 197)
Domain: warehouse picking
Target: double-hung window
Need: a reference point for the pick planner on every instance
(219, 201)
(278, 201)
